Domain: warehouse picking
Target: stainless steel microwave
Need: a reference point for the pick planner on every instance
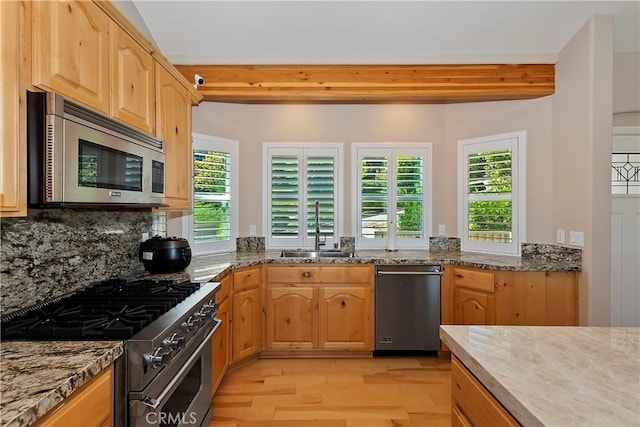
(76, 157)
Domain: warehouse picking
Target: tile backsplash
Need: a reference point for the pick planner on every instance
(55, 251)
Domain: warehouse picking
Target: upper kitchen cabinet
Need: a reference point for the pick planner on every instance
(13, 187)
(132, 73)
(71, 51)
(173, 112)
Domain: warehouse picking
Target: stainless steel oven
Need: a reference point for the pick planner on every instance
(181, 394)
(164, 376)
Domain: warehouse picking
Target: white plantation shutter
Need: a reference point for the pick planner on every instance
(212, 196)
(374, 196)
(492, 193)
(213, 226)
(285, 196)
(410, 197)
(320, 186)
(296, 177)
(393, 195)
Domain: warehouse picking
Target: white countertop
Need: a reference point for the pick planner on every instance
(555, 376)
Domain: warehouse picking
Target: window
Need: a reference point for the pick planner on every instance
(491, 193)
(393, 195)
(297, 177)
(625, 173)
(213, 226)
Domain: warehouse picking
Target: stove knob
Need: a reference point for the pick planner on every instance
(210, 308)
(174, 342)
(158, 359)
(188, 325)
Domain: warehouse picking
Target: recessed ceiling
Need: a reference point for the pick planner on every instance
(377, 32)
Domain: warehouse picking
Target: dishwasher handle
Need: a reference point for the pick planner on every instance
(409, 273)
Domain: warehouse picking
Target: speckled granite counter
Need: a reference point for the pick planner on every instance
(555, 376)
(37, 375)
(209, 267)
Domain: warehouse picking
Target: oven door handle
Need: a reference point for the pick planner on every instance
(154, 404)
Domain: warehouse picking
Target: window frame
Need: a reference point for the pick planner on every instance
(517, 142)
(360, 149)
(302, 150)
(215, 143)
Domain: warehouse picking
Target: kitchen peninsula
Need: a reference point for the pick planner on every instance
(552, 376)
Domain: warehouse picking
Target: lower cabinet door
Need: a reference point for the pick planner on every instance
(220, 345)
(473, 307)
(247, 325)
(292, 321)
(90, 406)
(346, 318)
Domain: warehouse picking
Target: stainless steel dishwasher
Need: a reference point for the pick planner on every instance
(407, 307)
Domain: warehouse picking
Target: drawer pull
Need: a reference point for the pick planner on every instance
(306, 274)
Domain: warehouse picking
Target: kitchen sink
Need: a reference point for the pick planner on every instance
(309, 253)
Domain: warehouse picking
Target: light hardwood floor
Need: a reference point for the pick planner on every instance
(382, 391)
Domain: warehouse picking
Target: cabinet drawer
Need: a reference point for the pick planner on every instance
(293, 274)
(346, 274)
(225, 288)
(246, 278)
(473, 279)
(474, 402)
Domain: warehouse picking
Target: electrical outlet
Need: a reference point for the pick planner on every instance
(441, 230)
(560, 237)
(252, 230)
(576, 238)
(144, 237)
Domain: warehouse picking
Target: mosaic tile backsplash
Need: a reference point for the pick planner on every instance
(55, 251)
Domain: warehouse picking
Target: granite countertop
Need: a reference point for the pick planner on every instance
(555, 376)
(212, 267)
(37, 375)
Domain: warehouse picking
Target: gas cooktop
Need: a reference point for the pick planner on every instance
(112, 309)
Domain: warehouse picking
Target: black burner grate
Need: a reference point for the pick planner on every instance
(113, 309)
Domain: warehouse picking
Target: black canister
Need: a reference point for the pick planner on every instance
(165, 254)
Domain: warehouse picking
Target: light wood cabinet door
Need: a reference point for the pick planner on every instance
(173, 126)
(220, 345)
(472, 404)
(292, 318)
(13, 150)
(536, 298)
(90, 406)
(133, 82)
(346, 318)
(71, 51)
(473, 307)
(247, 324)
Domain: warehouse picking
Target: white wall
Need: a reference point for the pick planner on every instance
(581, 158)
(490, 118)
(626, 89)
(254, 124)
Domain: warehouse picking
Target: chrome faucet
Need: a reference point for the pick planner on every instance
(317, 218)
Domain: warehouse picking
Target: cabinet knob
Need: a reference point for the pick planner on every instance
(306, 274)
(344, 304)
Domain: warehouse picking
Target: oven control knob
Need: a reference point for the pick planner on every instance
(174, 342)
(189, 324)
(158, 359)
(210, 308)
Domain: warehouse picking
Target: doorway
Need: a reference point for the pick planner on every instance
(625, 227)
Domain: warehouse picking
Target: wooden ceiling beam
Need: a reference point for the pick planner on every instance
(372, 83)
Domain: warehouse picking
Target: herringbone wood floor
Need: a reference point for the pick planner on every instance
(382, 391)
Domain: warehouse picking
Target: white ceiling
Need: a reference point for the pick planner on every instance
(377, 32)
